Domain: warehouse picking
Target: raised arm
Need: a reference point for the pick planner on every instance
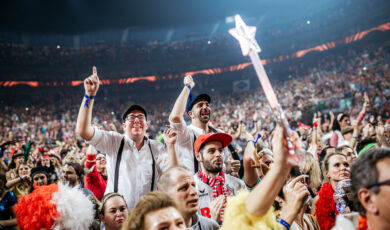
(263, 195)
(170, 137)
(91, 157)
(179, 108)
(83, 126)
(250, 174)
(363, 112)
(355, 134)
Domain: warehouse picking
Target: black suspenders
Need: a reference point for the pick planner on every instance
(118, 162)
(196, 163)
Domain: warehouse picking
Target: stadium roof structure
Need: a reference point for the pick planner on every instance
(83, 16)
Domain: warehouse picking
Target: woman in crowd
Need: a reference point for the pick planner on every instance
(343, 120)
(337, 138)
(21, 184)
(40, 176)
(14, 163)
(155, 211)
(55, 161)
(113, 211)
(335, 168)
(96, 178)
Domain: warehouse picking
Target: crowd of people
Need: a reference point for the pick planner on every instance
(217, 160)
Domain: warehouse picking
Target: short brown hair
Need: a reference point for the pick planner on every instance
(106, 198)
(152, 201)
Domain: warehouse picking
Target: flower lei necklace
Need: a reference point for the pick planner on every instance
(362, 223)
(326, 210)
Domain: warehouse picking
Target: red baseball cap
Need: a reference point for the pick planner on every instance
(225, 138)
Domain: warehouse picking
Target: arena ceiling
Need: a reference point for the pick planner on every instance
(81, 16)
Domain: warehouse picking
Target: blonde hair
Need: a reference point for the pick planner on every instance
(311, 167)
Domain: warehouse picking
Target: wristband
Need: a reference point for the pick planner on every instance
(189, 96)
(257, 139)
(88, 99)
(283, 222)
(188, 85)
(21, 179)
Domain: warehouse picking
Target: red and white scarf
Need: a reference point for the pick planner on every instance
(218, 186)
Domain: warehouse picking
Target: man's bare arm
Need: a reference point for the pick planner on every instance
(83, 126)
(179, 108)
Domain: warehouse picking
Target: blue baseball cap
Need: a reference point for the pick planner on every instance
(192, 102)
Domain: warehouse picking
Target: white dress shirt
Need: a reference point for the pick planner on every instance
(135, 171)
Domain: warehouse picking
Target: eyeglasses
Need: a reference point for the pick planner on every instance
(140, 118)
(379, 184)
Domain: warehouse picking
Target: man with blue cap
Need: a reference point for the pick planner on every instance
(199, 110)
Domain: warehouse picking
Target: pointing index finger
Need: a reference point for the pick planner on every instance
(94, 71)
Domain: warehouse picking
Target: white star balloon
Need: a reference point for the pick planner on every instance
(245, 36)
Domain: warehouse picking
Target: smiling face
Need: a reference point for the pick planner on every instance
(135, 125)
(184, 192)
(211, 156)
(200, 111)
(101, 163)
(338, 169)
(164, 219)
(115, 213)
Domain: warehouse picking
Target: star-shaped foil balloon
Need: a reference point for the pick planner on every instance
(245, 36)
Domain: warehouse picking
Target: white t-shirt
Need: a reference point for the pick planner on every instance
(232, 186)
(185, 144)
(135, 170)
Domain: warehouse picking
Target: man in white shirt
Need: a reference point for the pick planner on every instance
(179, 184)
(212, 183)
(199, 111)
(134, 162)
